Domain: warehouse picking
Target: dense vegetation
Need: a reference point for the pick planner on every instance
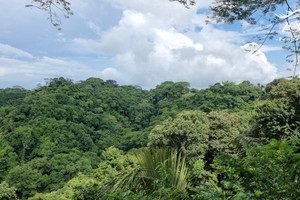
(97, 140)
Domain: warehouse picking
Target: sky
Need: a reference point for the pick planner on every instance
(135, 42)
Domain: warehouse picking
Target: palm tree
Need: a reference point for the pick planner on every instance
(156, 169)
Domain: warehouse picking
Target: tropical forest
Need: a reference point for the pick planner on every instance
(150, 100)
(96, 139)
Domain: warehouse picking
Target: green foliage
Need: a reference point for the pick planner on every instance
(34, 179)
(21, 140)
(270, 172)
(273, 120)
(12, 96)
(279, 116)
(164, 168)
(161, 173)
(169, 90)
(286, 89)
(128, 196)
(296, 138)
(57, 139)
(79, 188)
(205, 183)
(135, 139)
(6, 192)
(113, 163)
(8, 158)
(67, 166)
(71, 124)
(198, 174)
(227, 95)
(141, 113)
(188, 132)
(197, 134)
(223, 128)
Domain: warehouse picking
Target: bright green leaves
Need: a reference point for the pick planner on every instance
(113, 164)
(271, 172)
(227, 95)
(79, 188)
(197, 134)
(8, 158)
(60, 130)
(188, 133)
(223, 128)
(6, 192)
(21, 140)
(159, 173)
(279, 116)
(29, 178)
(169, 90)
(273, 120)
(163, 168)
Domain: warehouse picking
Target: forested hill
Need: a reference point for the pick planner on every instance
(71, 140)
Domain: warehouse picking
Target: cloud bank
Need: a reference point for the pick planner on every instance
(156, 41)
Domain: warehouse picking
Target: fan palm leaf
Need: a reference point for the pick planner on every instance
(164, 166)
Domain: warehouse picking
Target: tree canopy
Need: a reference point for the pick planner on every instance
(230, 11)
(95, 139)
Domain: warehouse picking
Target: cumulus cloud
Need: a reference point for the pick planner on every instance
(169, 11)
(151, 41)
(156, 41)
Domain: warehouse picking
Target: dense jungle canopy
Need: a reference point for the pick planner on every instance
(95, 139)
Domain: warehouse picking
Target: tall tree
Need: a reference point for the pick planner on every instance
(254, 11)
(188, 132)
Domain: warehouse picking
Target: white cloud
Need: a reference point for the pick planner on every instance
(254, 47)
(151, 40)
(8, 50)
(169, 11)
(112, 74)
(156, 41)
(133, 19)
(171, 39)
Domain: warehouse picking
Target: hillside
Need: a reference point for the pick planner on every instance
(94, 139)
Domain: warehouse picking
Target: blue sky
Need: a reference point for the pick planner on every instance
(131, 41)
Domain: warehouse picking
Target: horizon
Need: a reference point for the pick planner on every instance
(48, 80)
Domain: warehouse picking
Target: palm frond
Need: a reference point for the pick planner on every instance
(164, 166)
